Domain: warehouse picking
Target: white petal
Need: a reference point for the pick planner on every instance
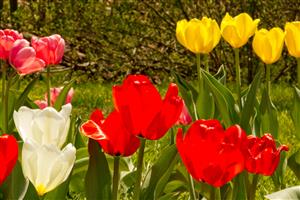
(23, 119)
(50, 166)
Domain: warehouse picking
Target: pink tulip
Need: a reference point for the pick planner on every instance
(54, 93)
(50, 49)
(23, 58)
(7, 39)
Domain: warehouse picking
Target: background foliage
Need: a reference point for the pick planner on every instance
(108, 39)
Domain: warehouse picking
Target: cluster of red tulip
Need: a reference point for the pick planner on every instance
(210, 154)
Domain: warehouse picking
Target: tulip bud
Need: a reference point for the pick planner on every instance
(237, 30)
(268, 44)
(292, 40)
(198, 36)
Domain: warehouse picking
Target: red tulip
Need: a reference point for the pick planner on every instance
(261, 154)
(23, 58)
(211, 154)
(117, 141)
(54, 93)
(185, 117)
(7, 39)
(50, 49)
(143, 111)
(8, 155)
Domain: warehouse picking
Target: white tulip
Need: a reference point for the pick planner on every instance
(46, 126)
(46, 166)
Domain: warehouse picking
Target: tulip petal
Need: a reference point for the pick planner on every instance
(92, 130)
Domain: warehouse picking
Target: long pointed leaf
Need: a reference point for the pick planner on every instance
(98, 177)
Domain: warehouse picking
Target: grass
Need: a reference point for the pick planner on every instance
(91, 95)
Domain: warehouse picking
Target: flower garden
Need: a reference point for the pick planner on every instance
(210, 138)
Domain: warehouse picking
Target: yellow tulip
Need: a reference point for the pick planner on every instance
(292, 38)
(237, 30)
(199, 36)
(268, 44)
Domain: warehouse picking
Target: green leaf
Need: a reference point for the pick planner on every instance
(170, 196)
(221, 75)
(16, 184)
(123, 165)
(294, 163)
(165, 178)
(188, 93)
(98, 177)
(291, 193)
(161, 166)
(296, 111)
(223, 98)
(129, 179)
(268, 115)
(248, 110)
(59, 192)
(61, 99)
(205, 102)
(24, 95)
(31, 193)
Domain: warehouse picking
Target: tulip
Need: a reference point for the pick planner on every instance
(237, 30)
(268, 44)
(45, 126)
(7, 39)
(8, 155)
(111, 134)
(292, 40)
(46, 166)
(54, 93)
(211, 154)
(198, 36)
(261, 154)
(23, 58)
(143, 111)
(185, 117)
(50, 49)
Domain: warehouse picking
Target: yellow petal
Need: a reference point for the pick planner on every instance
(180, 29)
(276, 39)
(231, 35)
(292, 39)
(262, 47)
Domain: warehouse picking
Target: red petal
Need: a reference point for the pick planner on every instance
(97, 116)
(8, 155)
(138, 101)
(92, 130)
(119, 141)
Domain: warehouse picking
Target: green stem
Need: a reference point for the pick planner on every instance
(199, 70)
(268, 78)
(116, 178)
(192, 188)
(298, 71)
(238, 76)
(207, 62)
(5, 91)
(139, 170)
(215, 194)
(48, 86)
(172, 136)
